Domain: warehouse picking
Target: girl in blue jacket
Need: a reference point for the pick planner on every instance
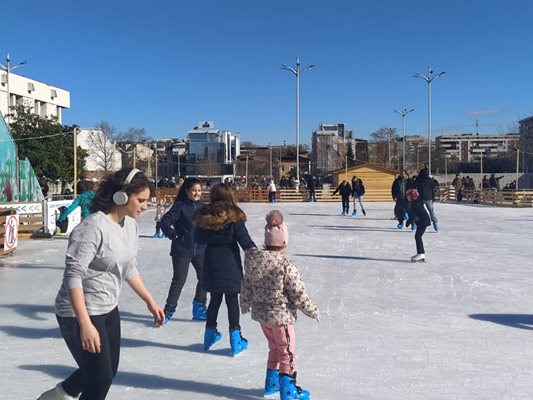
(177, 225)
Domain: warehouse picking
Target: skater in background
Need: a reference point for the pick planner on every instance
(426, 189)
(419, 214)
(177, 225)
(273, 291)
(345, 190)
(399, 188)
(101, 255)
(221, 226)
(83, 201)
(358, 190)
(271, 187)
(311, 186)
(494, 182)
(457, 184)
(160, 209)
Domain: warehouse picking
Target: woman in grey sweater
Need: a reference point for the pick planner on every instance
(101, 255)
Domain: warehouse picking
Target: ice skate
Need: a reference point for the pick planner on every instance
(343, 213)
(211, 336)
(57, 393)
(413, 227)
(157, 235)
(364, 212)
(237, 342)
(436, 227)
(399, 226)
(169, 312)
(354, 213)
(418, 258)
(199, 311)
(271, 383)
(288, 389)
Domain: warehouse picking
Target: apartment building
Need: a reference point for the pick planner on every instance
(43, 99)
(471, 147)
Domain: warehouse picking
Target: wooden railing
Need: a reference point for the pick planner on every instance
(506, 198)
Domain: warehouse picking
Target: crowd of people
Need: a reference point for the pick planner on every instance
(102, 256)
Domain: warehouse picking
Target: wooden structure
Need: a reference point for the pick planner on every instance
(377, 180)
(31, 219)
(499, 198)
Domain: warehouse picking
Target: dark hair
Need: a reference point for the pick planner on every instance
(222, 194)
(103, 201)
(186, 185)
(89, 185)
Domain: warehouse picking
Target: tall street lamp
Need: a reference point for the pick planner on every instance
(297, 71)
(403, 112)
(8, 68)
(429, 78)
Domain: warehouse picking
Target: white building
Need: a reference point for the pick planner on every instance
(43, 99)
(470, 147)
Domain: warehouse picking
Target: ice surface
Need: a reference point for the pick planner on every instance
(459, 326)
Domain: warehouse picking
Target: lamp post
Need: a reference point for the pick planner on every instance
(8, 68)
(403, 112)
(297, 71)
(429, 78)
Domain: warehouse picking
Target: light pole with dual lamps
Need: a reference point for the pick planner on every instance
(8, 68)
(403, 112)
(429, 78)
(297, 71)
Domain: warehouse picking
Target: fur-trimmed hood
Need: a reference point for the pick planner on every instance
(215, 217)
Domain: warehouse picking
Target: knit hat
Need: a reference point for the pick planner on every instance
(276, 232)
(413, 193)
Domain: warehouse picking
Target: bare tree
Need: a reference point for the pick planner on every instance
(102, 144)
(133, 135)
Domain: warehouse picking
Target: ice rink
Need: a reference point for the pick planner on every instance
(459, 326)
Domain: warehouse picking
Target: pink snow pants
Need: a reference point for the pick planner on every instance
(281, 346)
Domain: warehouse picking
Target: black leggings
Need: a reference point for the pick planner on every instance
(232, 302)
(96, 370)
(345, 204)
(181, 269)
(418, 239)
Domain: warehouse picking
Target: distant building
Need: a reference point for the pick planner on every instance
(41, 98)
(526, 137)
(329, 148)
(211, 151)
(471, 147)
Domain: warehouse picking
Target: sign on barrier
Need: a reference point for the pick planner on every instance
(11, 232)
(52, 212)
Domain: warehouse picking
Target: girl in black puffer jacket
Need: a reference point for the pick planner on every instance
(220, 226)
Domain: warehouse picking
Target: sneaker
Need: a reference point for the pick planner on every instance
(168, 314)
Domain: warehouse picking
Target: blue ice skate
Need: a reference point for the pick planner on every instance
(413, 227)
(199, 311)
(169, 312)
(354, 213)
(405, 216)
(343, 213)
(237, 342)
(157, 235)
(271, 383)
(288, 389)
(211, 336)
(400, 225)
(436, 227)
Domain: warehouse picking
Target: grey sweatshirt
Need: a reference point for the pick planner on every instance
(101, 255)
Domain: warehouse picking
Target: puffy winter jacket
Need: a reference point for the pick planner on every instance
(273, 289)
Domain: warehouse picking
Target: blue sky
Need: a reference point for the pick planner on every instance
(165, 65)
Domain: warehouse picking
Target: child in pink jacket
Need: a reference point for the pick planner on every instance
(273, 290)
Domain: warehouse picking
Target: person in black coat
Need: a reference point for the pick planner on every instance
(345, 190)
(399, 189)
(358, 190)
(311, 185)
(221, 226)
(426, 188)
(418, 213)
(177, 225)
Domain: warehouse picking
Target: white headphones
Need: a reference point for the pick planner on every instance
(121, 197)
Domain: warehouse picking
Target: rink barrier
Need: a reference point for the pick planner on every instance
(282, 195)
(500, 198)
(8, 230)
(31, 219)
